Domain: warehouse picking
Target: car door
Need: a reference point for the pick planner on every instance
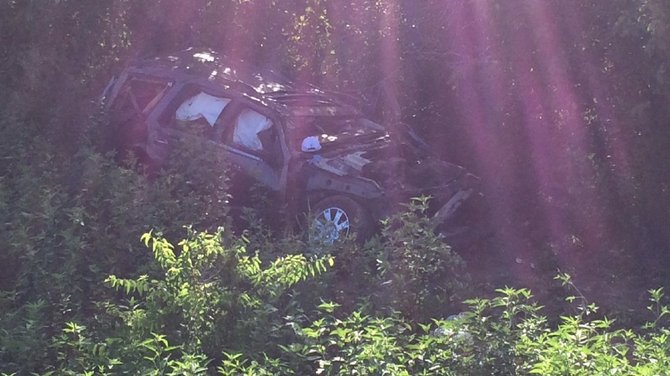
(248, 135)
(252, 137)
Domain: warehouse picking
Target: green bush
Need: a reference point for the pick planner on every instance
(504, 335)
(208, 305)
(208, 299)
(256, 304)
(407, 268)
(479, 341)
(69, 220)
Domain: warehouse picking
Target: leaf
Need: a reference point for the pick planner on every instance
(146, 237)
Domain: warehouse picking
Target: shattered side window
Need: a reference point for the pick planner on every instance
(139, 96)
(250, 127)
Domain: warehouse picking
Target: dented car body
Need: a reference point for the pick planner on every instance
(313, 151)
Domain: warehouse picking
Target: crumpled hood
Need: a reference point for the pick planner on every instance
(415, 175)
(393, 166)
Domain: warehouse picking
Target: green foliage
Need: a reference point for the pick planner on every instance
(209, 299)
(191, 182)
(504, 335)
(65, 228)
(406, 268)
(237, 365)
(360, 344)
(79, 354)
(418, 273)
(596, 347)
(207, 305)
(24, 333)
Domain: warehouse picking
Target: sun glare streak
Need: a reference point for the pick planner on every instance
(576, 132)
(543, 90)
(556, 136)
(617, 149)
(390, 63)
(570, 138)
(536, 67)
(470, 36)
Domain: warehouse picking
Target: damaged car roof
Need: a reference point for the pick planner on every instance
(266, 85)
(217, 67)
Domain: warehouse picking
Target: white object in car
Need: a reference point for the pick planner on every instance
(310, 144)
(249, 124)
(202, 105)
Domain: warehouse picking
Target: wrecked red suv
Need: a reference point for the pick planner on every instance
(310, 150)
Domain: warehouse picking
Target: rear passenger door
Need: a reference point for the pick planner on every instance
(252, 138)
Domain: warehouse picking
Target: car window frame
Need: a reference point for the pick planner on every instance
(125, 84)
(238, 102)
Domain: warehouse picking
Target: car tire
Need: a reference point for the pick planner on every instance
(337, 217)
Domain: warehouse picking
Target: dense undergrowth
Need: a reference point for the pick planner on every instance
(81, 294)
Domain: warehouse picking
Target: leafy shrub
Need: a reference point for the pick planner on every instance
(209, 298)
(79, 354)
(583, 346)
(406, 268)
(66, 228)
(504, 335)
(418, 273)
(216, 303)
(360, 344)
